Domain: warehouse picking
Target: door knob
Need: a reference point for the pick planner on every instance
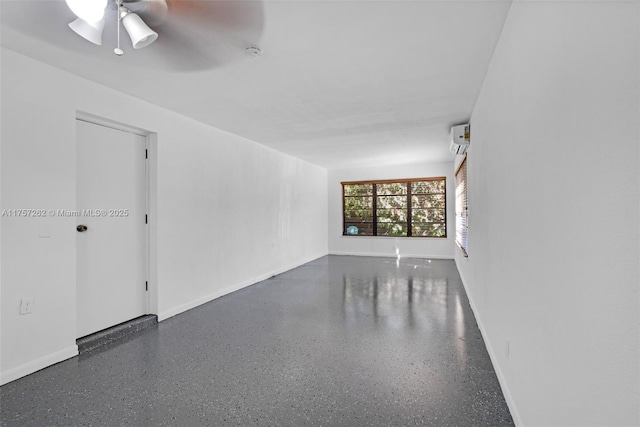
(81, 228)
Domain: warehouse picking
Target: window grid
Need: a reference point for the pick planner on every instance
(395, 208)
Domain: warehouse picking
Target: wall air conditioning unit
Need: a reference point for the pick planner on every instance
(460, 139)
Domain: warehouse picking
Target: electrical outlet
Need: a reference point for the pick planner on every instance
(507, 349)
(26, 306)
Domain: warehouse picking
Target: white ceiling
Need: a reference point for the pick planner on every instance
(340, 83)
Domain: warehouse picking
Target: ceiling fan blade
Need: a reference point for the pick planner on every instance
(186, 50)
(153, 12)
(229, 15)
(202, 34)
(194, 35)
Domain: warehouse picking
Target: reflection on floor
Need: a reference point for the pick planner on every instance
(340, 341)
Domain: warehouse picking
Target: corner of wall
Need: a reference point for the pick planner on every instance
(174, 311)
(492, 354)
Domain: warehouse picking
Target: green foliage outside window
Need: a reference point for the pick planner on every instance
(406, 208)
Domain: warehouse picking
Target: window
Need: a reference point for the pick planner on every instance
(405, 208)
(462, 210)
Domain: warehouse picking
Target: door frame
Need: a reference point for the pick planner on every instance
(150, 267)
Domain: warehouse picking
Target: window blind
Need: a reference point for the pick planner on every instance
(462, 208)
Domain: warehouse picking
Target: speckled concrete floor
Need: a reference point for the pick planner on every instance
(345, 341)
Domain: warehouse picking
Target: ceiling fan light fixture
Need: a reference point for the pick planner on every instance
(91, 31)
(88, 10)
(140, 33)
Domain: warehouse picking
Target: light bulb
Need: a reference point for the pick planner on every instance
(141, 35)
(88, 10)
(91, 31)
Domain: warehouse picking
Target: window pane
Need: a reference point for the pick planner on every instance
(358, 216)
(427, 215)
(358, 189)
(398, 188)
(392, 229)
(428, 229)
(355, 203)
(358, 210)
(428, 201)
(392, 215)
(386, 202)
(428, 187)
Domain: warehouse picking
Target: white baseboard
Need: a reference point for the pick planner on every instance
(492, 355)
(35, 365)
(390, 255)
(229, 289)
(71, 351)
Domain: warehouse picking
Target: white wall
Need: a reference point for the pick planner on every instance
(387, 246)
(553, 262)
(228, 212)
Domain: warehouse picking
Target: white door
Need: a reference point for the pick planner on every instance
(111, 204)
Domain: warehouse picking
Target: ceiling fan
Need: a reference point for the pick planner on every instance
(90, 20)
(170, 35)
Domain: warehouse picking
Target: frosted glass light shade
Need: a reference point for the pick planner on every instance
(141, 35)
(91, 31)
(88, 10)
